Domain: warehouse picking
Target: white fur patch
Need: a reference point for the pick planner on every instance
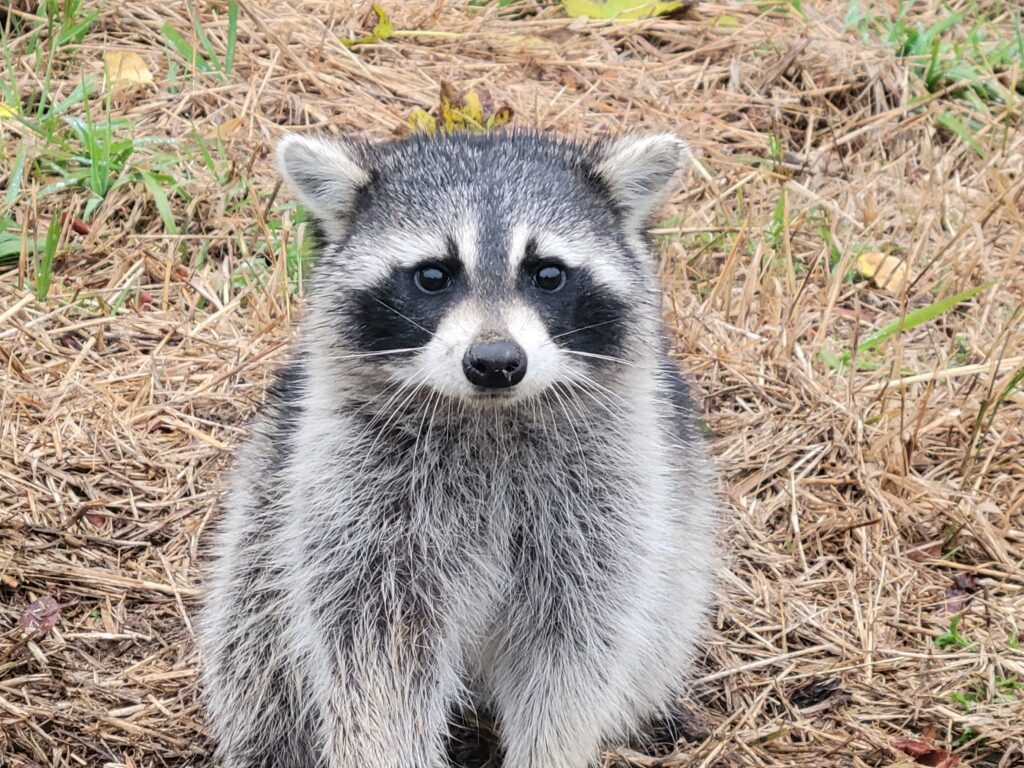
(518, 239)
(439, 364)
(467, 241)
(373, 257)
(545, 361)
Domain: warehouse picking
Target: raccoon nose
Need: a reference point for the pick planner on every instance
(495, 364)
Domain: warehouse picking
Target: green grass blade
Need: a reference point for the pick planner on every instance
(10, 241)
(183, 48)
(1015, 381)
(44, 267)
(81, 93)
(76, 32)
(941, 26)
(229, 54)
(163, 205)
(913, 320)
(17, 173)
(204, 40)
(951, 123)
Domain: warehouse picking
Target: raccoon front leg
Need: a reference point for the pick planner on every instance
(381, 647)
(556, 708)
(563, 680)
(385, 707)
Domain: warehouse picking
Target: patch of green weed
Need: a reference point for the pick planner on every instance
(952, 638)
(957, 49)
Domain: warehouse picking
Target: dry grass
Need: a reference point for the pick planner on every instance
(859, 492)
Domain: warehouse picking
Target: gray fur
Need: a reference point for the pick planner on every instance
(394, 544)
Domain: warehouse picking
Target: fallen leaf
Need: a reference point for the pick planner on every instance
(41, 616)
(147, 301)
(621, 9)
(126, 69)
(78, 226)
(886, 271)
(420, 121)
(225, 129)
(448, 106)
(925, 551)
(912, 747)
(7, 111)
(96, 519)
(959, 595)
(382, 30)
(470, 111)
(925, 754)
(502, 117)
(940, 758)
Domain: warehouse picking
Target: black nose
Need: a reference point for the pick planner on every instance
(495, 364)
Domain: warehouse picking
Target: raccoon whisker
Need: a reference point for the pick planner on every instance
(392, 408)
(399, 389)
(596, 356)
(433, 413)
(604, 405)
(584, 380)
(610, 395)
(431, 408)
(557, 392)
(404, 317)
(415, 476)
(392, 417)
(579, 330)
(611, 402)
(381, 353)
(585, 416)
(394, 389)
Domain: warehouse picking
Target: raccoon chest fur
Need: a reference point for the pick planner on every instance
(481, 497)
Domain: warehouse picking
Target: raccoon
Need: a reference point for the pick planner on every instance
(481, 481)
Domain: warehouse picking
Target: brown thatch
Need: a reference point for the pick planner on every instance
(871, 503)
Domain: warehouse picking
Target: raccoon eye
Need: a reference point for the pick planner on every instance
(432, 278)
(549, 277)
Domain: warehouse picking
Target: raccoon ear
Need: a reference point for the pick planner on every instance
(326, 175)
(640, 170)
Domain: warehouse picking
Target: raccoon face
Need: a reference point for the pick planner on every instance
(483, 267)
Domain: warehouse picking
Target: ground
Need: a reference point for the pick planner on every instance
(869, 431)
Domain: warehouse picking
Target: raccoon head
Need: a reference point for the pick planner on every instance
(483, 267)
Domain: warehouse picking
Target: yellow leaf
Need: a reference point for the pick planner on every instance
(500, 118)
(725, 20)
(125, 69)
(472, 109)
(382, 30)
(449, 113)
(420, 121)
(7, 111)
(225, 129)
(887, 272)
(620, 9)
